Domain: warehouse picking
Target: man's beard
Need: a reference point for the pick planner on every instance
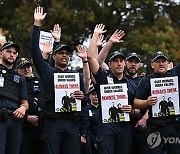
(131, 73)
(7, 62)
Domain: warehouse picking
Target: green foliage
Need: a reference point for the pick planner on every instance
(150, 25)
(160, 36)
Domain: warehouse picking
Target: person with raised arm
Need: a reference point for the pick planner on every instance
(112, 137)
(60, 130)
(115, 38)
(48, 47)
(82, 53)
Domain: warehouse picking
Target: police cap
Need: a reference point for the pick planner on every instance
(22, 62)
(10, 44)
(60, 47)
(158, 54)
(115, 54)
(133, 54)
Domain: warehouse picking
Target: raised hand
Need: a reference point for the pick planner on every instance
(81, 52)
(117, 36)
(56, 33)
(100, 41)
(99, 29)
(38, 15)
(47, 49)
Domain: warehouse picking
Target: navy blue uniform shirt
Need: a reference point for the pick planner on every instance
(6, 103)
(101, 78)
(45, 71)
(144, 88)
(135, 80)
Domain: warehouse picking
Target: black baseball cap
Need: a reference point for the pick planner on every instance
(22, 62)
(133, 54)
(91, 89)
(158, 54)
(60, 47)
(115, 54)
(10, 44)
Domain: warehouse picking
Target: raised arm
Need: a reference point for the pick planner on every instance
(43, 69)
(115, 38)
(38, 16)
(100, 42)
(56, 33)
(48, 46)
(93, 63)
(47, 49)
(82, 53)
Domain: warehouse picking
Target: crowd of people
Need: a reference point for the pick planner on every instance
(29, 123)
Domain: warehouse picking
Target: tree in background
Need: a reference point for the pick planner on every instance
(149, 25)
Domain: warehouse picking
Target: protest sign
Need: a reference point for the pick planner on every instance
(167, 92)
(65, 84)
(113, 97)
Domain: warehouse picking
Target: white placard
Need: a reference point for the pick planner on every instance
(45, 37)
(65, 84)
(167, 92)
(113, 97)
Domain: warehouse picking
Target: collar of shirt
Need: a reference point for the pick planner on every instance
(92, 106)
(59, 70)
(116, 80)
(166, 74)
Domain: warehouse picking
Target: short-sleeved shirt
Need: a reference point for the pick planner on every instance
(101, 78)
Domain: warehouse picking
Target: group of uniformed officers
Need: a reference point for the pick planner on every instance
(29, 123)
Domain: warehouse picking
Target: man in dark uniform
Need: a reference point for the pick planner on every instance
(138, 121)
(31, 143)
(133, 62)
(168, 126)
(93, 111)
(163, 106)
(13, 100)
(60, 132)
(94, 118)
(113, 137)
(113, 112)
(66, 102)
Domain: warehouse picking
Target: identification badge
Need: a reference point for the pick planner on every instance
(16, 78)
(90, 113)
(110, 80)
(1, 81)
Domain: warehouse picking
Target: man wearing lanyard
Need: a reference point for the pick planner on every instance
(113, 137)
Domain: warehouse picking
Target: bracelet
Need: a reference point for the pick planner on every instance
(85, 61)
